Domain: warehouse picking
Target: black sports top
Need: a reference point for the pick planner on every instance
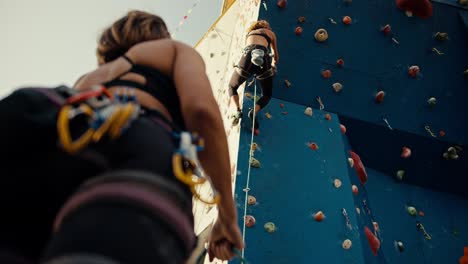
(158, 85)
(268, 39)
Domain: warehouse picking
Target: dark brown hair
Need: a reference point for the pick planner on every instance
(258, 25)
(133, 28)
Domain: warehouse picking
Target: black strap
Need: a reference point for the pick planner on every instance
(128, 60)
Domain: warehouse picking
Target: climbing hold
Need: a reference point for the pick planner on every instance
(441, 36)
(212, 55)
(282, 3)
(254, 146)
(343, 129)
(465, 72)
(374, 242)
(284, 113)
(298, 31)
(399, 246)
(437, 51)
(270, 227)
(268, 115)
(337, 87)
(308, 111)
(321, 35)
(411, 210)
(359, 167)
(337, 183)
(421, 213)
(441, 133)
(351, 162)
(332, 21)
(413, 71)
(301, 19)
(451, 153)
(254, 163)
(400, 174)
(249, 221)
(379, 97)
(313, 146)
(405, 152)
(288, 83)
(421, 8)
(358, 210)
(326, 74)
(347, 244)
(386, 29)
(432, 101)
(376, 227)
(251, 200)
(328, 117)
(463, 2)
(319, 216)
(347, 20)
(340, 62)
(355, 189)
(281, 105)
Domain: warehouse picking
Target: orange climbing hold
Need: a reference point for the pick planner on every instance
(374, 242)
(386, 29)
(343, 129)
(319, 216)
(328, 117)
(282, 3)
(405, 152)
(359, 167)
(413, 71)
(298, 31)
(347, 20)
(313, 146)
(326, 74)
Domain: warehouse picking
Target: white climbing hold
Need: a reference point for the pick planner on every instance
(270, 227)
(337, 87)
(347, 244)
(337, 183)
(351, 162)
(251, 200)
(308, 111)
(254, 162)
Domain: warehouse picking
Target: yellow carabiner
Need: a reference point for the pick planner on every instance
(215, 200)
(121, 120)
(64, 134)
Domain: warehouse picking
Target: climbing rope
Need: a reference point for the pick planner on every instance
(247, 189)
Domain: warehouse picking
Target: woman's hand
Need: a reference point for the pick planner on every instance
(225, 236)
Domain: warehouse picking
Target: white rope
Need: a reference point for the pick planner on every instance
(247, 189)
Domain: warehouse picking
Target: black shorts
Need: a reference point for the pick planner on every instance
(38, 176)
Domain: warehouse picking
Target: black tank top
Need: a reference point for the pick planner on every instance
(158, 85)
(263, 34)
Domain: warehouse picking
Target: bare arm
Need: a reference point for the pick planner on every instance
(199, 108)
(275, 47)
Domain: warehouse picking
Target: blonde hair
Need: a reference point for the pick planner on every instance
(259, 25)
(133, 28)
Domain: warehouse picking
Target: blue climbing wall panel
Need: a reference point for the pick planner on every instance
(292, 184)
(295, 181)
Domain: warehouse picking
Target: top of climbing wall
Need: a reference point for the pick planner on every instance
(378, 44)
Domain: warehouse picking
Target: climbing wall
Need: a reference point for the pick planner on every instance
(219, 49)
(399, 89)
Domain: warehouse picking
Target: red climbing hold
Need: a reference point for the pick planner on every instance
(340, 62)
(359, 167)
(319, 216)
(421, 213)
(298, 31)
(282, 3)
(441, 133)
(355, 189)
(405, 152)
(347, 20)
(374, 242)
(328, 117)
(281, 105)
(249, 221)
(421, 8)
(326, 74)
(284, 113)
(386, 29)
(413, 71)
(313, 146)
(379, 97)
(343, 129)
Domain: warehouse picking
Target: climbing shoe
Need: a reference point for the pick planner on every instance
(236, 118)
(250, 115)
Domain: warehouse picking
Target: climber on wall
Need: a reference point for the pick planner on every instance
(115, 199)
(256, 59)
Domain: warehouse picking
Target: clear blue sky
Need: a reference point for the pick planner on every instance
(50, 42)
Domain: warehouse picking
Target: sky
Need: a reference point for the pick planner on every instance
(53, 42)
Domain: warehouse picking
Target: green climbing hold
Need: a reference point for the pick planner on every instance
(411, 211)
(400, 174)
(254, 163)
(270, 227)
